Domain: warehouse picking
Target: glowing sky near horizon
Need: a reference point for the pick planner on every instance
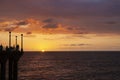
(62, 24)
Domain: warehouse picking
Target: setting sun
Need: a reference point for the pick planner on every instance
(43, 50)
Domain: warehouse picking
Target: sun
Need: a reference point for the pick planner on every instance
(43, 50)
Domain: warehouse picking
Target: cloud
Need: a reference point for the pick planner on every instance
(22, 23)
(10, 28)
(82, 36)
(35, 26)
(49, 20)
(29, 33)
(111, 22)
(75, 16)
(50, 26)
(76, 45)
(50, 23)
(12, 25)
(88, 26)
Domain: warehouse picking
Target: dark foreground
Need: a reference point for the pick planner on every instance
(70, 66)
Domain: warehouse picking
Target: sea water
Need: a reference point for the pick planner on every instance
(93, 65)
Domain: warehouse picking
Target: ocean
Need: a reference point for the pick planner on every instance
(84, 65)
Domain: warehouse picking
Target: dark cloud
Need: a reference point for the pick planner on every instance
(76, 45)
(12, 25)
(70, 28)
(82, 36)
(82, 44)
(50, 25)
(22, 23)
(111, 22)
(29, 33)
(10, 28)
(50, 20)
(82, 32)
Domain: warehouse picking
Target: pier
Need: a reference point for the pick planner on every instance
(11, 55)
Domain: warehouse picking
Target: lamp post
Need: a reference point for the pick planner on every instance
(16, 40)
(9, 39)
(21, 42)
(10, 58)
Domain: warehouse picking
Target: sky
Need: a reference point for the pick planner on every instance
(62, 25)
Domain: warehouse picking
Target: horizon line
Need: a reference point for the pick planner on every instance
(78, 51)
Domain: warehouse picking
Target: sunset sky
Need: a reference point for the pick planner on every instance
(62, 25)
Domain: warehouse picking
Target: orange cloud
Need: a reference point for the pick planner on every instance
(34, 26)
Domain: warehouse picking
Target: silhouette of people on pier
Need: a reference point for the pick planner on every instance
(12, 55)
